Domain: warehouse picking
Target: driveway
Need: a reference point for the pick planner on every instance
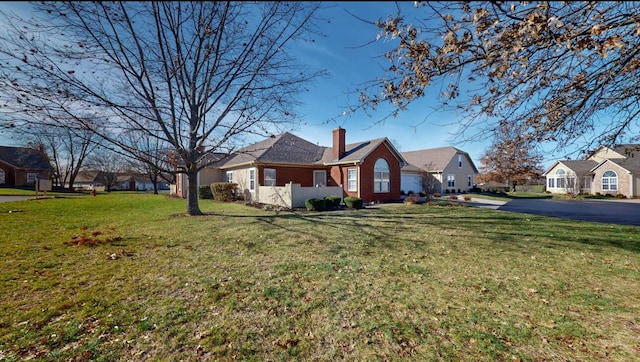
(622, 212)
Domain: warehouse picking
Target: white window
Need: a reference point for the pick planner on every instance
(319, 178)
(586, 183)
(451, 181)
(381, 176)
(552, 183)
(460, 161)
(31, 178)
(469, 181)
(269, 176)
(252, 179)
(609, 181)
(352, 179)
(229, 176)
(2, 177)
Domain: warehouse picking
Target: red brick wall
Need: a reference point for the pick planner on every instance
(284, 175)
(366, 176)
(338, 174)
(21, 177)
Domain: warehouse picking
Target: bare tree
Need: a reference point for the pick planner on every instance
(551, 70)
(66, 148)
(510, 159)
(151, 158)
(193, 74)
(572, 184)
(430, 183)
(109, 165)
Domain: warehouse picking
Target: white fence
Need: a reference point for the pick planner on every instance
(293, 195)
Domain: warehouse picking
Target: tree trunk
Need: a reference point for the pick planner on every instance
(154, 180)
(513, 188)
(192, 193)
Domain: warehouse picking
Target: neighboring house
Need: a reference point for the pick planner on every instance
(20, 166)
(606, 171)
(91, 179)
(87, 180)
(570, 176)
(285, 169)
(206, 176)
(448, 168)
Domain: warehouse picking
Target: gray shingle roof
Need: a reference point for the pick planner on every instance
(628, 150)
(580, 166)
(631, 164)
(25, 158)
(283, 148)
(438, 158)
(354, 152)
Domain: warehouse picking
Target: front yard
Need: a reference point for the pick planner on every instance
(126, 276)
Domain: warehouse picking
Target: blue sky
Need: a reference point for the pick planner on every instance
(350, 62)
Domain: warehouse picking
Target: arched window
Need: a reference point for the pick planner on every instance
(381, 176)
(609, 181)
(2, 177)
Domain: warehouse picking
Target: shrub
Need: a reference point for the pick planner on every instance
(620, 196)
(453, 197)
(467, 198)
(353, 202)
(412, 199)
(224, 191)
(315, 204)
(436, 195)
(204, 192)
(332, 201)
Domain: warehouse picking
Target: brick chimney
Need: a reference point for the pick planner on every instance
(338, 142)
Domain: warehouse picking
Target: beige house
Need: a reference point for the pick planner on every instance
(606, 171)
(449, 169)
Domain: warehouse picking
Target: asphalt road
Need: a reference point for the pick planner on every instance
(623, 212)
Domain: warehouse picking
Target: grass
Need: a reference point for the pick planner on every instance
(127, 276)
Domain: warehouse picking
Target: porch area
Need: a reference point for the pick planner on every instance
(293, 195)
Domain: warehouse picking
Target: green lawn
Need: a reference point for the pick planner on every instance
(126, 276)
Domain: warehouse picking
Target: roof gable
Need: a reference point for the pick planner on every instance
(357, 152)
(283, 148)
(631, 164)
(579, 167)
(25, 158)
(437, 159)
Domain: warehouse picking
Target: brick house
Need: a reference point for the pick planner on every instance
(369, 170)
(21, 166)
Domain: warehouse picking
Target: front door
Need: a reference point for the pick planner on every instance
(320, 178)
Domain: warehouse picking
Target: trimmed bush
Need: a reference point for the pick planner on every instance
(224, 191)
(332, 201)
(353, 202)
(315, 204)
(204, 192)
